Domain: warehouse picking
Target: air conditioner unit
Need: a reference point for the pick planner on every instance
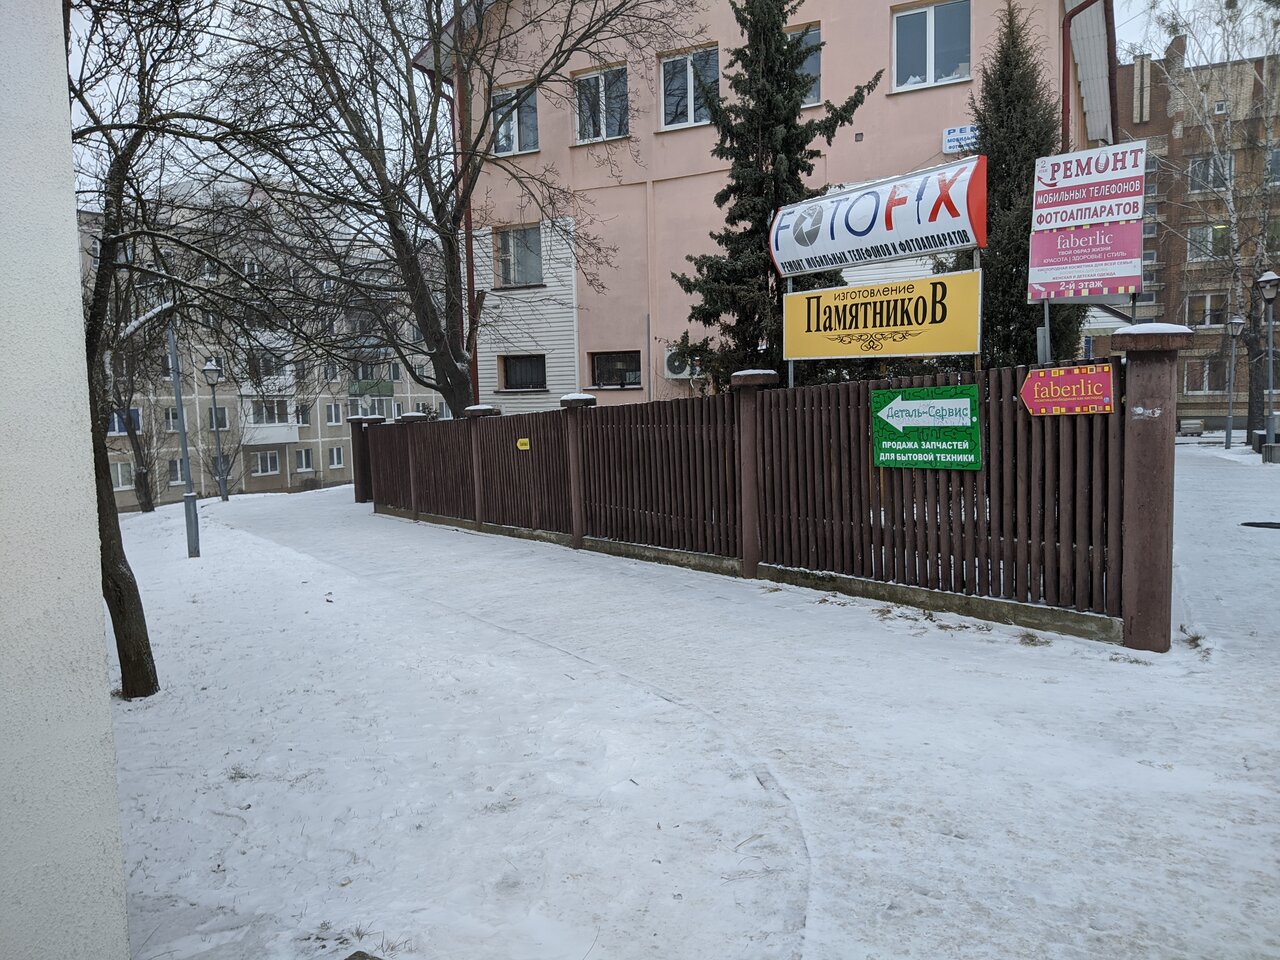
(675, 367)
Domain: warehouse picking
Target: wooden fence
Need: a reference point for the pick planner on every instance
(784, 479)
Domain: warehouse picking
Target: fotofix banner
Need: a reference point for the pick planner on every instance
(1090, 187)
(929, 211)
(1086, 223)
(938, 315)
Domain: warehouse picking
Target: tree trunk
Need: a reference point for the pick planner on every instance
(143, 481)
(1255, 348)
(119, 588)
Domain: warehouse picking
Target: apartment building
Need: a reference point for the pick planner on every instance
(1206, 130)
(267, 420)
(632, 139)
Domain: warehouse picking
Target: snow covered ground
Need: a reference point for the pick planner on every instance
(428, 743)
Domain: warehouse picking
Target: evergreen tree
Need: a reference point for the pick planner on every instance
(770, 151)
(1017, 118)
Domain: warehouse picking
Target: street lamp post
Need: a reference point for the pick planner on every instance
(1235, 326)
(212, 375)
(1268, 286)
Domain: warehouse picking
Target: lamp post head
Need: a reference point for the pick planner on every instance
(1268, 285)
(212, 373)
(1235, 326)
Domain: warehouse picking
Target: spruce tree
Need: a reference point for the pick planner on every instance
(1017, 117)
(770, 151)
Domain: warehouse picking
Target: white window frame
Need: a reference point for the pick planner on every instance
(175, 472)
(1211, 160)
(600, 76)
(302, 460)
(691, 81)
(814, 37)
(506, 262)
(1194, 247)
(1204, 296)
(333, 414)
(170, 422)
(1271, 173)
(219, 419)
(336, 459)
(259, 407)
(519, 97)
(271, 456)
(115, 425)
(1203, 388)
(929, 80)
(117, 475)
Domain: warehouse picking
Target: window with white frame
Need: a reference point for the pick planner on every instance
(175, 472)
(302, 460)
(270, 411)
(602, 105)
(1204, 309)
(1209, 173)
(421, 371)
(420, 406)
(1148, 229)
(331, 371)
(335, 458)
(377, 406)
(264, 364)
(117, 424)
(931, 45)
(1208, 241)
(95, 252)
(266, 462)
(251, 269)
(1150, 256)
(515, 121)
(394, 365)
(1205, 375)
(1273, 166)
(170, 419)
(353, 408)
(302, 414)
(122, 476)
(217, 418)
(519, 256)
(399, 409)
(443, 412)
(687, 80)
(811, 37)
(333, 414)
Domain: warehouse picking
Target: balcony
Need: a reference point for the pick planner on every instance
(371, 388)
(268, 434)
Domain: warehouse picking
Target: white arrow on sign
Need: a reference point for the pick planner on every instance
(901, 414)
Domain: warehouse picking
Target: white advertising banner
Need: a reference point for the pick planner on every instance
(917, 214)
(1090, 187)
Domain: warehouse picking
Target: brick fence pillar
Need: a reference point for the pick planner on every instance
(474, 415)
(746, 385)
(573, 404)
(1150, 425)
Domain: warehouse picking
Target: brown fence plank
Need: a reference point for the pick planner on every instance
(1083, 424)
(1022, 486)
(1066, 511)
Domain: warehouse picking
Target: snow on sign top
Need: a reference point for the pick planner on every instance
(916, 214)
(1090, 187)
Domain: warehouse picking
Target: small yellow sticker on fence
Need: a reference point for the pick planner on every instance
(522, 443)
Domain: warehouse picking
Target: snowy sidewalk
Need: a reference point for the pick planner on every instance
(464, 746)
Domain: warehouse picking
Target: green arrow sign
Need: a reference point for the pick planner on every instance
(931, 428)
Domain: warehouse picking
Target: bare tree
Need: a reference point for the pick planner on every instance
(390, 114)
(1223, 76)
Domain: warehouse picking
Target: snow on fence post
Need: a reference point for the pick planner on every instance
(361, 465)
(746, 385)
(573, 404)
(1151, 396)
(474, 414)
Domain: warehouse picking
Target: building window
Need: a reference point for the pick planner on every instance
(1208, 241)
(333, 414)
(1206, 308)
(221, 465)
(302, 459)
(1088, 348)
(443, 412)
(602, 105)
(122, 476)
(335, 458)
(1209, 173)
(264, 364)
(931, 45)
(117, 424)
(302, 413)
(811, 38)
(1153, 163)
(420, 406)
(395, 370)
(95, 252)
(684, 98)
(515, 121)
(217, 418)
(170, 419)
(620, 369)
(1273, 166)
(1205, 375)
(519, 256)
(1148, 229)
(251, 269)
(331, 371)
(1149, 276)
(524, 373)
(353, 408)
(266, 462)
(271, 411)
(421, 372)
(1149, 256)
(399, 409)
(175, 472)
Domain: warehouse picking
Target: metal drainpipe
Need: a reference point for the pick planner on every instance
(1066, 73)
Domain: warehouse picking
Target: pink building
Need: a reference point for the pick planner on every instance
(632, 141)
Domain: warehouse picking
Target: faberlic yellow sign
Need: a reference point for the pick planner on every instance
(928, 317)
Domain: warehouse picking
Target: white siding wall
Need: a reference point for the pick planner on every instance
(528, 321)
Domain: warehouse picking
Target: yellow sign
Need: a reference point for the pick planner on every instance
(522, 443)
(926, 317)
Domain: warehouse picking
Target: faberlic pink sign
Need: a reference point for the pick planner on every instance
(1093, 261)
